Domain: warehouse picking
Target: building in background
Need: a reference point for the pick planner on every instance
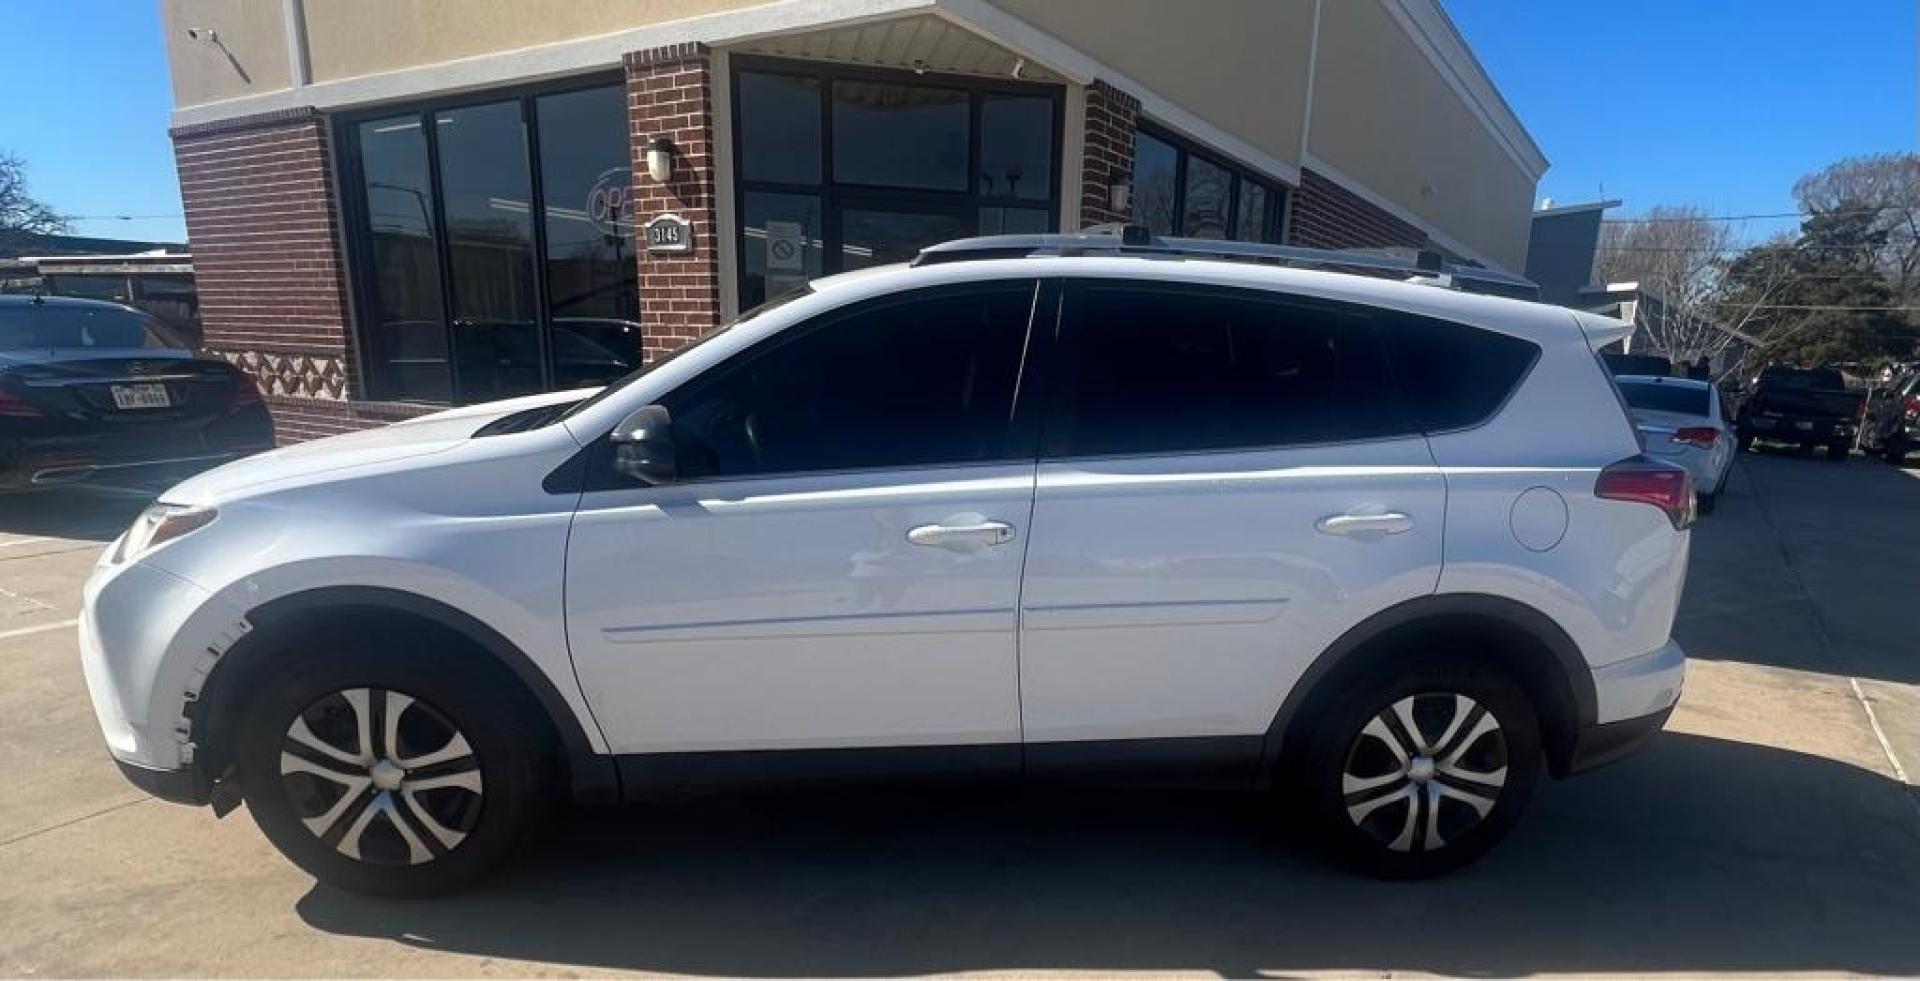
(153, 276)
(401, 204)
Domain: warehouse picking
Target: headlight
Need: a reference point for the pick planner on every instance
(158, 525)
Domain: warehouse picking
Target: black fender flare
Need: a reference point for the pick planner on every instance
(592, 775)
(1573, 667)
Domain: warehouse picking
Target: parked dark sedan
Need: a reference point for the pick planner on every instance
(88, 387)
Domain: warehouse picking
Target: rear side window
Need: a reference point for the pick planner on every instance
(30, 326)
(1158, 369)
(1451, 375)
(1665, 398)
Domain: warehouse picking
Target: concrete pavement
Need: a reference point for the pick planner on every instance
(1766, 832)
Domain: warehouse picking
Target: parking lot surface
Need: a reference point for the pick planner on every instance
(1772, 829)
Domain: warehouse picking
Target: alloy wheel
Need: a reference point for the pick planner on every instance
(381, 776)
(1424, 771)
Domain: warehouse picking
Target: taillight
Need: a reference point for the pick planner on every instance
(15, 407)
(1913, 406)
(1701, 436)
(1640, 480)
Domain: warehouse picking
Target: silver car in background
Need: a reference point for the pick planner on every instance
(1681, 420)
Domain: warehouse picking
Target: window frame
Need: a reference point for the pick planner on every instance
(1279, 193)
(1023, 424)
(836, 196)
(356, 227)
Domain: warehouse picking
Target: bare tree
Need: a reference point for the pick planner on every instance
(1887, 187)
(22, 215)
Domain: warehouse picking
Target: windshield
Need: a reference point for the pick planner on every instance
(1655, 397)
(644, 370)
(45, 326)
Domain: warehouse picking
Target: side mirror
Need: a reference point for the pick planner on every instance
(643, 446)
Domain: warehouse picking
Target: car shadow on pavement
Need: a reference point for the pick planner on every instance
(1701, 854)
(73, 512)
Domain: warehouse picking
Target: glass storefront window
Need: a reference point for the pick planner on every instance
(784, 244)
(590, 264)
(891, 164)
(779, 128)
(1016, 147)
(494, 263)
(1178, 190)
(404, 333)
(910, 136)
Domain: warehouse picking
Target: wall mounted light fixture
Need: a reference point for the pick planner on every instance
(1119, 190)
(660, 152)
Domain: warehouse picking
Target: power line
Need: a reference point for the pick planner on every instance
(1776, 214)
(1813, 306)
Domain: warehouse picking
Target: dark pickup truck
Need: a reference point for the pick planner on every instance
(1805, 406)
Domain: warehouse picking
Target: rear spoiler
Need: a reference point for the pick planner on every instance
(1601, 331)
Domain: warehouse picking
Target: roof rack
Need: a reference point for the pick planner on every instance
(1428, 268)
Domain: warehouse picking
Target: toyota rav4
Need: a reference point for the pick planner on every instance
(1031, 504)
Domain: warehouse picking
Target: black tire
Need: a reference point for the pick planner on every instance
(1805, 449)
(1895, 451)
(500, 791)
(1394, 838)
(1745, 445)
(1838, 452)
(1705, 503)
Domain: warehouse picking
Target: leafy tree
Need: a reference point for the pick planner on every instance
(1886, 188)
(21, 215)
(1834, 301)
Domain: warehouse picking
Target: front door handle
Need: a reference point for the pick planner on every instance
(1362, 525)
(962, 533)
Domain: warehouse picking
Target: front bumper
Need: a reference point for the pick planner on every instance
(186, 786)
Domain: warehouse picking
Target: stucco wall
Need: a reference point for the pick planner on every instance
(1384, 116)
(1238, 64)
(253, 32)
(419, 32)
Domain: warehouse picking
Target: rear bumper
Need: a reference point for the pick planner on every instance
(1599, 745)
(1798, 429)
(27, 463)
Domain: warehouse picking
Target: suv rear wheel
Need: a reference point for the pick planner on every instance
(1418, 771)
(390, 772)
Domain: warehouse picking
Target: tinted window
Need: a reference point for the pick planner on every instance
(407, 335)
(586, 179)
(779, 128)
(1204, 210)
(29, 326)
(1804, 378)
(1157, 369)
(1016, 147)
(486, 192)
(1665, 398)
(1453, 376)
(1156, 192)
(783, 243)
(1252, 217)
(900, 135)
(927, 379)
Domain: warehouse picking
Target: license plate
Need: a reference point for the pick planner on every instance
(1803, 425)
(150, 396)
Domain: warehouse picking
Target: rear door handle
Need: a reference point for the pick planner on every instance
(962, 533)
(1351, 525)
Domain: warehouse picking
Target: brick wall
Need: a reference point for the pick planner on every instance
(263, 226)
(670, 93)
(1328, 216)
(1113, 117)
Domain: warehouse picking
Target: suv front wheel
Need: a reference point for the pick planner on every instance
(391, 772)
(1416, 771)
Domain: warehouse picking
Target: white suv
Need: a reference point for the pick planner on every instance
(1030, 505)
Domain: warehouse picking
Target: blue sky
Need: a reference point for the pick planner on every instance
(1720, 103)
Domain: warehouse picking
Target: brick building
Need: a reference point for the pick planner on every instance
(396, 205)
